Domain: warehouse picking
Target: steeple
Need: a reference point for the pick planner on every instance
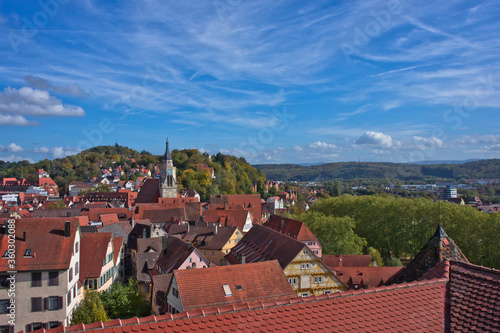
(167, 153)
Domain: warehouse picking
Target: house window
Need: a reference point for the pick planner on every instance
(356, 286)
(53, 324)
(328, 292)
(175, 292)
(36, 304)
(27, 253)
(213, 252)
(190, 260)
(36, 326)
(70, 274)
(201, 259)
(5, 329)
(36, 279)
(303, 266)
(53, 278)
(74, 291)
(305, 294)
(68, 298)
(319, 279)
(53, 303)
(307, 266)
(4, 304)
(76, 247)
(315, 280)
(306, 252)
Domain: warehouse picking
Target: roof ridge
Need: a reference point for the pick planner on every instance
(468, 264)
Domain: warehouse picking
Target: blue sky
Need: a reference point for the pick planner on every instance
(273, 81)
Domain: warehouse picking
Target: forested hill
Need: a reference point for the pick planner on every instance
(232, 174)
(352, 170)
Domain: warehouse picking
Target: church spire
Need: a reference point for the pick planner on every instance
(167, 153)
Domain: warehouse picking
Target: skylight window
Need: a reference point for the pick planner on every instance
(239, 287)
(27, 253)
(227, 290)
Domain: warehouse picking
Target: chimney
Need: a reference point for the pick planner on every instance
(243, 259)
(132, 221)
(67, 229)
(216, 227)
(144, 233)
(24, 236)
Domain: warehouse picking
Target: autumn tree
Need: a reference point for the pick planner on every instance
(89, 310)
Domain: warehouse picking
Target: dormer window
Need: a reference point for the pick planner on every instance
(27, 253)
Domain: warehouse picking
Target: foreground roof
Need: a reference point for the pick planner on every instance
(249, 282)
(415, 307)
(343, 260)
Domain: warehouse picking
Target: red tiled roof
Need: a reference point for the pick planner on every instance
(293, 228)
(226, 218)
(365, 277)
(175, 255)
(261, 281)
(249, 202)
(264, 244)
(107, 219)
(117, 245)
(93, 251)
(415, 307)
(150, 191)
(474, 298)
(341, 260)
(45, 238)
(95, 213)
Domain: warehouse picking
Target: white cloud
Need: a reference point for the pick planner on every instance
(14, 158)
(427, 143)
(43, 150)
(322, 145)
(16, 120)
(13, 148)
(297, 148)
(33, 102)
(59, 152)
(377, 139)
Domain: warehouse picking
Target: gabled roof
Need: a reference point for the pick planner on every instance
(121, 229)
(415, 307)
(440, 246)
(108, 219)
(342, 260)
(258, 281)
(160, 286)
(201, 236)
(150, 191)
(50, 250)
(365, 277)
(264, 244)
(226, 218)
(174, 255)
(145, 263)
(92, 254)
(290, 227)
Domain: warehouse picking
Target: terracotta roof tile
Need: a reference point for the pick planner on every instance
(46, 242)
(290, 227)
(249, 282)
(92, 253)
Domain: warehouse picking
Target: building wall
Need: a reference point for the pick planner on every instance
(25, 292)
(217, 257)
(315, 247)
(174, 301)
(195, 258)
(305, 271)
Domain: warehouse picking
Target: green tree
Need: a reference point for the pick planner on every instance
(89, 310)
(125, 301)
(336, 234)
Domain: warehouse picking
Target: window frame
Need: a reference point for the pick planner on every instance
(36, 282)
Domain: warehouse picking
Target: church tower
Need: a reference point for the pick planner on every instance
(168, 181)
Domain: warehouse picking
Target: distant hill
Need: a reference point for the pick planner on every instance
(233, 175)
(407, 172)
